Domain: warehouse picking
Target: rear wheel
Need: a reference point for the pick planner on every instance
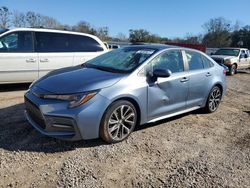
(118, 122)
(213, 100)
(233, 69)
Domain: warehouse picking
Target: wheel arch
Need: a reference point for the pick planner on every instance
(220, 86)
(236, 64)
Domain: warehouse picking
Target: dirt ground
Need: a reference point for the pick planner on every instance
(191, 150)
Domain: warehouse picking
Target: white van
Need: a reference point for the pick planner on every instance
(29, 53)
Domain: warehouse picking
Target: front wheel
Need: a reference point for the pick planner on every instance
(118, 121)
(232, 69)
(213, 100)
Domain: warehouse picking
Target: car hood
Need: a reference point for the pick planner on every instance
(223, 57)
(77, 80)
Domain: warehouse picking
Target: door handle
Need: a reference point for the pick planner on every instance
(31, 60)
(184, 79)
(208, 74)
(44, 60)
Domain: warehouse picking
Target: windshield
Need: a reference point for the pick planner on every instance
(121, 60)
(229, 52)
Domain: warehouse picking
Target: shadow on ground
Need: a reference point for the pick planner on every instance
(244, 71)
(16, 134)
(14, 87)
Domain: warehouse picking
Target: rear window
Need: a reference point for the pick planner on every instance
(60, 42)
(195, 61)
(206, 62)
(84, 44)
(52, 42)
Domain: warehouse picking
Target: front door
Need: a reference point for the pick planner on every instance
(167, 95)
(244, 59)
(18, 61)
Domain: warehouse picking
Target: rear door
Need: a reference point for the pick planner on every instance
(167, 95)
(53, 51)
(85, 48)
(248, 59)
(200, 78)
(18, 61)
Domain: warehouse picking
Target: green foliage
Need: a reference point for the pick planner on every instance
(241, 38)
(142, 35)
(217, 33)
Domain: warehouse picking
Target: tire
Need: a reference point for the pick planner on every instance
(233, 70)
(213, 100)
(118, 121)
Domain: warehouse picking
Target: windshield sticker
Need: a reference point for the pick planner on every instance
(146, 52)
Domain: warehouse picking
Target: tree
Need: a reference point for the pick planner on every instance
(103, 33)
(241, 38)
(48, 22)
(193, 39)
(32, 19)
(121, 37)
(217, 33)
(18, 19)
(4, 17)
(83, 27)
(138, 35)
(64, 27)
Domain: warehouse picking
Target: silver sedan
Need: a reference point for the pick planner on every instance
(111, 94)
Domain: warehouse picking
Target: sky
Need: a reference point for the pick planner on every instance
(167, 18)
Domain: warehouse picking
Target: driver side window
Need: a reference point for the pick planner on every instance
(17, 42)
(171, 60)
(242, 54)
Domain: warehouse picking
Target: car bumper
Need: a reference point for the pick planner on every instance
(53, 117)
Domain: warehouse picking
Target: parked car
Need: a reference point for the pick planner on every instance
(28, 53)
(211, 51)
(112, 93)
(233, 58)
(114, 46)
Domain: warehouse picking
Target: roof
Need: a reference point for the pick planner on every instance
(59, 31)
(52, 30)
(236, 48)
(154, 46)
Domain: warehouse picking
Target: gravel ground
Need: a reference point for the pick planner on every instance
(191, 150)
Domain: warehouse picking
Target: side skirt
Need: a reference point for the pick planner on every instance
(174, 114)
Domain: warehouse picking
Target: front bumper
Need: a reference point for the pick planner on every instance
(53, 117)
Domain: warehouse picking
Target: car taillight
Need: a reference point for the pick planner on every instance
(224, 71)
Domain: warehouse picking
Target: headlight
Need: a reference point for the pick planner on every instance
(74, 99)
(227, 61)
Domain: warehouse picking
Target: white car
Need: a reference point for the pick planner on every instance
(233, 58)
(27, 54)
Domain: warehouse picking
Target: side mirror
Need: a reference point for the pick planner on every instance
(245, 56)
(162, 73)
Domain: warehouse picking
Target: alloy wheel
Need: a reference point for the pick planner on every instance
(214, 99)
(121, 122)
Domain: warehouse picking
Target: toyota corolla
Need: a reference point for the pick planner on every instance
(108, 96)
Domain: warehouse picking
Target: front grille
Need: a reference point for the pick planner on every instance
(34, 112)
